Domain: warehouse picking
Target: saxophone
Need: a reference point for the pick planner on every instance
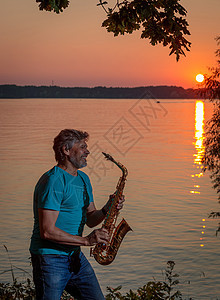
(105, 254)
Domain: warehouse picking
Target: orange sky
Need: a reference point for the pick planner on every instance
(72, 49)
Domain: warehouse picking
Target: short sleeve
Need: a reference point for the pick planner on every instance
(49, 193)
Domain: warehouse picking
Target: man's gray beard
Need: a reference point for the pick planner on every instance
(76, 164)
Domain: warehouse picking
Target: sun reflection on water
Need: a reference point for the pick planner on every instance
(199, 147)
(199, 132)
(199, 138)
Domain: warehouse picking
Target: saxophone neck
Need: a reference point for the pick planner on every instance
(122, 167)
(124, 171)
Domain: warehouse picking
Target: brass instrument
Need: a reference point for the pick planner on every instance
(104, 254)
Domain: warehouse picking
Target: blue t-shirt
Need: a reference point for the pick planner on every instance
(60, 191)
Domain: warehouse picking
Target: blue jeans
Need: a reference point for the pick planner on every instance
(54, 273)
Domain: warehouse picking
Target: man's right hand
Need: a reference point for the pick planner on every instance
(98, 236)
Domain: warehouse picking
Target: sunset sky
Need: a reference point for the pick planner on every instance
(72, 49)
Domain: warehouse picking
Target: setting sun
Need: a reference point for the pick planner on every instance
(199, 78)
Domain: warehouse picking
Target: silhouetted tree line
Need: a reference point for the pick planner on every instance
(151, 92)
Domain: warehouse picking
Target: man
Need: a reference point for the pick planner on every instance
(63, 204)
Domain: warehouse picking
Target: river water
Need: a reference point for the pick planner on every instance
(168, 197)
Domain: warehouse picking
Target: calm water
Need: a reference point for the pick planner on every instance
(168, 198)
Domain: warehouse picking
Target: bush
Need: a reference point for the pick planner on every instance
(156, 290)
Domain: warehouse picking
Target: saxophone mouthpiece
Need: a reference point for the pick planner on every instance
(108, 156)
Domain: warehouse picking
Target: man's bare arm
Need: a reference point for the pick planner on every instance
(48, 231)
(95, 217)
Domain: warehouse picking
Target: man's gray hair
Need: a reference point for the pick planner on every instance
(67, 138)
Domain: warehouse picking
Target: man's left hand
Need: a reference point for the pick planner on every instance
(111, 198)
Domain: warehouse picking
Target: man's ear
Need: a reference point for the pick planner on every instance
(65, 150)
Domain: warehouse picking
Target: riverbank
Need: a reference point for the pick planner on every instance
(100, 92)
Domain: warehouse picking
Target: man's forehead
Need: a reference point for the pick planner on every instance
(81, 142)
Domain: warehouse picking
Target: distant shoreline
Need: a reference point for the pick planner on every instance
(12, 91)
